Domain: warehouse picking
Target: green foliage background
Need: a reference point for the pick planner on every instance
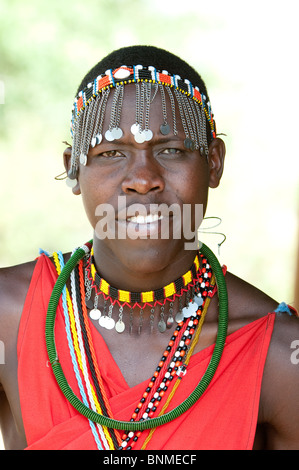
(245, 54)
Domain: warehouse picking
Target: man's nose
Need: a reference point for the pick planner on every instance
(143, 175)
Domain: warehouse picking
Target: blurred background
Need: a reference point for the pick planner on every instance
(247, 54)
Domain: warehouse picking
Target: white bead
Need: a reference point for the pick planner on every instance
(145, 415)
(122, 73)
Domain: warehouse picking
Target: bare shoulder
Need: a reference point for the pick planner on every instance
(246, 302)
(14, 284)
(280, 408)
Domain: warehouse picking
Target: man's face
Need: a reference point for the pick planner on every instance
(159, 173)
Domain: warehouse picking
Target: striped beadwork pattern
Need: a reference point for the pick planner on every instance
(137, 73)
(141, 299)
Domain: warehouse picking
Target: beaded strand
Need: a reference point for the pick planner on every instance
(170, 366)
(77, 348)
(67, 308)
(190, 352)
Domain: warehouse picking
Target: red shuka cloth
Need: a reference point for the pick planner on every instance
(225, 417)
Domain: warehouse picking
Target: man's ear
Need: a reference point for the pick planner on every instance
(216, 161)
(67, 165)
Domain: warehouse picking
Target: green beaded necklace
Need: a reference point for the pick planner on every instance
(167, 417)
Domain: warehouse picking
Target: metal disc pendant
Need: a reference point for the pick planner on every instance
(120, 326)
(161, 326)
(110, 323)
(189, 144)
(134, 128)
(96, 140)
(148, 135)
(139, 137)
(165, 129)
(83, 159)
(95, 314)
(198, 300)
(117, 133)
(179, 317)
(169, 322)
(109, 135)
(89, 303)
(102, 321)
(71, 183)
(190, 310)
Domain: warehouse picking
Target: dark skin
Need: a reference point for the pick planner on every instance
(151, 173)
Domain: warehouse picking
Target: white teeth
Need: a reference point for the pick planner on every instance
(140, 219)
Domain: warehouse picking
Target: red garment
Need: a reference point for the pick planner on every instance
(225, 417)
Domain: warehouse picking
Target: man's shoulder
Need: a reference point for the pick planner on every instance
(246, 301)
(14, 285)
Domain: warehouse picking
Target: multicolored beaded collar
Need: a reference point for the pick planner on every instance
(90, 105)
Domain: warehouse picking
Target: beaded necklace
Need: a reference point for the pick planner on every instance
(193, 283)
(172, 365)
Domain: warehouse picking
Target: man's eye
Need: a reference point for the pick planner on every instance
(110, 154)
(171, 151)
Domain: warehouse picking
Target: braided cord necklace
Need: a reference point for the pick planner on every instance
(105, 421)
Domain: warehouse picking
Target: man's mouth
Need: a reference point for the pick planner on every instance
(148, 219)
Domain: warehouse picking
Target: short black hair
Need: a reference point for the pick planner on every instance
(146, 56)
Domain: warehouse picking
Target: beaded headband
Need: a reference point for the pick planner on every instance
(89, 110)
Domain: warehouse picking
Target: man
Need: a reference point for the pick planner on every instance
(111, 357)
